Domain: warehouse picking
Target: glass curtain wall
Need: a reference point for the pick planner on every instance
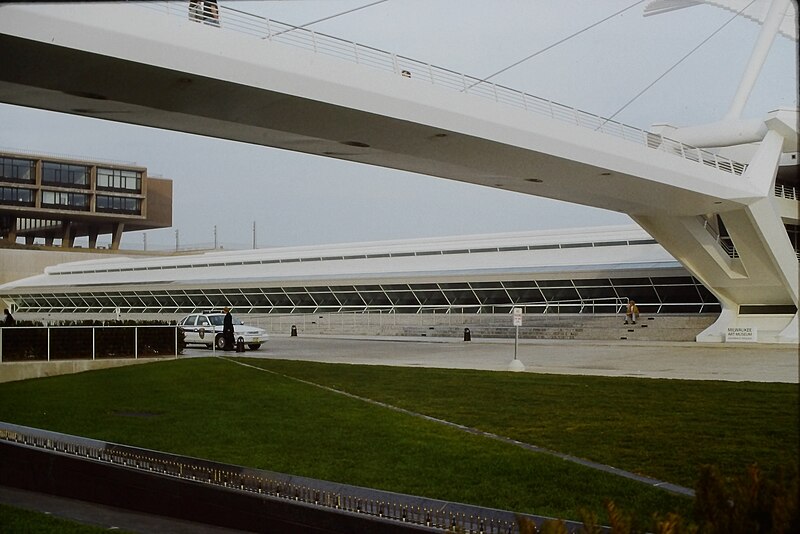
(678, 294)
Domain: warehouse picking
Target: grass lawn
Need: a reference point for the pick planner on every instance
(215, 409)
(665, 429)
(16, 520)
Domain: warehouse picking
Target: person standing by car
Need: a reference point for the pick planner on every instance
(227, 329)
(9, 319)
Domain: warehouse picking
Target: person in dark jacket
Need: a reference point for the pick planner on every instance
(9, 319)
(227, 329)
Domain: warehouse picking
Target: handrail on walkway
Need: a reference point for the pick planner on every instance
(785, 191)
(246, 23)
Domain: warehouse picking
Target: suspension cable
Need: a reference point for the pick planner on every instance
(545, 49)
(681, 60)
(307, 24)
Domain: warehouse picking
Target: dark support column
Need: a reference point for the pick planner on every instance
(92, 237)
(67, 237)
(11, 229)
(118, 229)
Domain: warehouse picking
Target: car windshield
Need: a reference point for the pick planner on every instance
(219, 320)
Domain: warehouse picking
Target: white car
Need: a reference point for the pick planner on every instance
(206, 329)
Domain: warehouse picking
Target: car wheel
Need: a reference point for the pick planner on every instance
(254, 346)
(220, 342)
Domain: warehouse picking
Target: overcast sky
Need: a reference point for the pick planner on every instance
(297, 199)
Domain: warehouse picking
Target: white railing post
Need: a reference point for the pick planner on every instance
(135, 342)
(94, 348)
(395, 66)
(269, 30)
(355, 52)
(176, 341)
(48, 343)
(524, 100)
(313, 40)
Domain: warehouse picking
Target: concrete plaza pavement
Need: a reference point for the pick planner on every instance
(681, 360)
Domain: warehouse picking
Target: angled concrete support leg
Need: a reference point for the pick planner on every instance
(67, 236)
(791, 334)
(716, 332)
(118, 229)
(92, 237)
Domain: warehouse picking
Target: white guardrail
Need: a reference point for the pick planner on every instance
(227, 18)
(784, 191)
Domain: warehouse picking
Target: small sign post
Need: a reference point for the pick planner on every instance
(515, 364)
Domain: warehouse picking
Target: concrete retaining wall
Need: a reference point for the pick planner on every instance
(11, 371)
(575, 326)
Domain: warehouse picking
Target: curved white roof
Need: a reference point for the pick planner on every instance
(551, 253)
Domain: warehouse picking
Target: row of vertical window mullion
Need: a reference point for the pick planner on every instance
(168, 299)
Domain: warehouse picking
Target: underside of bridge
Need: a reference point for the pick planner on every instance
(719, 217)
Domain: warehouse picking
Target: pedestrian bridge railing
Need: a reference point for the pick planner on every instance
(785, 191)
(232, 19)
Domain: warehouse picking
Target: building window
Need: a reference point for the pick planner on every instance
(17, 196)
(65, 175)
(108, 203)
(119, 179)
(65, 200)
(17, 170)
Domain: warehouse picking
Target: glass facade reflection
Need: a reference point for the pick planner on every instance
(64, 174)
(661, 295)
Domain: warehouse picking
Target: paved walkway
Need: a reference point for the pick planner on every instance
(684, 360)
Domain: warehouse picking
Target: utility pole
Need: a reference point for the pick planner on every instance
(215, 237)
(254, 235)
(144, 241)
(177, 239)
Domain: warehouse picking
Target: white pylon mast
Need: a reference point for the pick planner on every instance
(766, 37)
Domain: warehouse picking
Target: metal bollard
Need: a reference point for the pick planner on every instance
(294, 331)
(467, 335)
(240, 345)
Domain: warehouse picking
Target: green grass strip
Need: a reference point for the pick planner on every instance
(19, 521)
(664, 429)
(680, 490)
